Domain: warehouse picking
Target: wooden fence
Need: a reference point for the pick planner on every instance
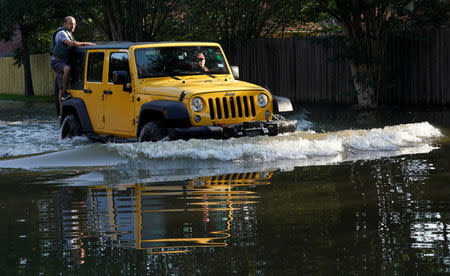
(420, 68)
(306, 70)
(12, 79)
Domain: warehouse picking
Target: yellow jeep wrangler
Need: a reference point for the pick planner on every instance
(148, 91)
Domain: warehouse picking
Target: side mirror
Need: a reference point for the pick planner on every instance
(235, 71)
(122, 77)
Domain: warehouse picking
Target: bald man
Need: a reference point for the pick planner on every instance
(62, 41)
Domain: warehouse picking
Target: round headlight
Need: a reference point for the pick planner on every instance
(263, 100)
(197, 104)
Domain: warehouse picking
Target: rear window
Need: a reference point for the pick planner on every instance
(95, 67)
(76, 62)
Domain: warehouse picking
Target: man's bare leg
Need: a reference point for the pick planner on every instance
(65, 80)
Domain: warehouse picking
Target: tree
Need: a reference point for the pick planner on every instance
(218, 20)
(138, 20)
(224, 20)
(367, 26)
(27, 18)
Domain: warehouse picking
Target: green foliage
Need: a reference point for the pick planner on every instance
(29, 18)
(41, 18)
(222, 20)
(135, 20)
(430, 13)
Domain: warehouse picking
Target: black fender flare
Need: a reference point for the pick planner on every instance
(174, 114)
(81, 111)
(281, 104)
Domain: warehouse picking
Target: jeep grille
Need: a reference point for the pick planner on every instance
(231, 107)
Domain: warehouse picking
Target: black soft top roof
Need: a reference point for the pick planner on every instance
(124, 44)
(109, 45)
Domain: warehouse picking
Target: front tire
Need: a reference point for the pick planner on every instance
(70, 127)
(153, 131)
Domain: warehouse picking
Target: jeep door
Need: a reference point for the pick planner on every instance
(118, 104)
(93, 88)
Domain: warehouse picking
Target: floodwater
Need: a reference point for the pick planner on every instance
(349, 193)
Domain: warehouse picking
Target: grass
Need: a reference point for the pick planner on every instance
(39, 99)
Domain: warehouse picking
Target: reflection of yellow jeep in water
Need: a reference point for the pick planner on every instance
(172, 217)
(147, 91)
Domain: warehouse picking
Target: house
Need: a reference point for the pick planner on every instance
(7, 48)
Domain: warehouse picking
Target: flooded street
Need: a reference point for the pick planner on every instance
(349, 193)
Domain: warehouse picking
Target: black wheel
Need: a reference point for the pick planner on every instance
(70, 127)
(153, 131)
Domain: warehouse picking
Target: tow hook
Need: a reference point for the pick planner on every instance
(183, 93)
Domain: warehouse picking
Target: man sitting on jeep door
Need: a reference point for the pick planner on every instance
(62, 40)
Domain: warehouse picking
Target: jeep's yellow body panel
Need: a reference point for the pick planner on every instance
(206, 88)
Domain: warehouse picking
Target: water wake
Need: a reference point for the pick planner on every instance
(298, 145)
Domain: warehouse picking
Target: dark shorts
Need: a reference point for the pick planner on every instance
(58, 66)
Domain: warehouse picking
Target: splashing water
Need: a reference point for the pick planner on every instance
(298, 145)
(32, 137)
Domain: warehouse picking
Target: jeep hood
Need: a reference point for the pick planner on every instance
(197, 86)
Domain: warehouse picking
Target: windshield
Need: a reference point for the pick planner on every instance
(179, 61)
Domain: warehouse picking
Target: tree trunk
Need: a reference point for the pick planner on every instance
(26, 62)
(113, 17)
(366, 93)
(366, 63)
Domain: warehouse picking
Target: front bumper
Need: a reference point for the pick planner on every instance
(256, 128)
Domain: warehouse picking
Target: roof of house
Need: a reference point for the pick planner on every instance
(7, 48)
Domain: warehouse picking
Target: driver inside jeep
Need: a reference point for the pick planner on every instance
(201, 61)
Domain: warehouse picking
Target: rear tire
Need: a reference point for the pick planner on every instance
(70, 127)
(153, 132)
